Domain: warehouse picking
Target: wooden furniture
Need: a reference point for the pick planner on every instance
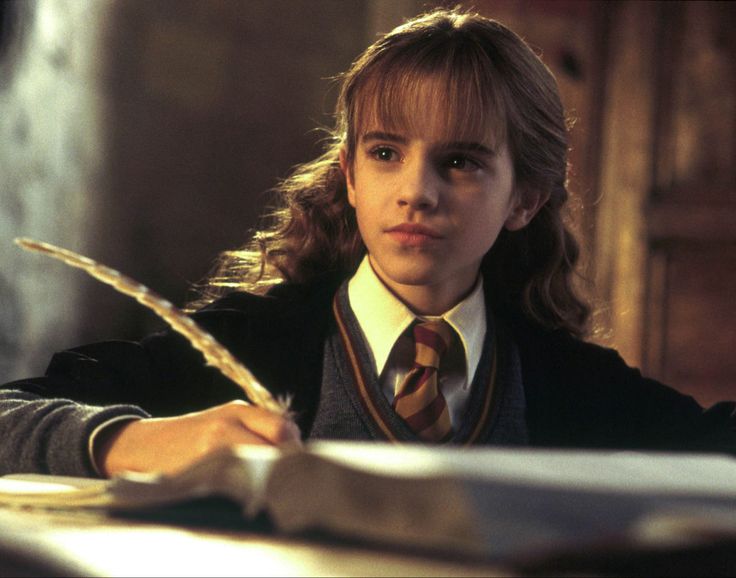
(34, 543)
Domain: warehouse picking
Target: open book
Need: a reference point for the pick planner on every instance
(490, 503)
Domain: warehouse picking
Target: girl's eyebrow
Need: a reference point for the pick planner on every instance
(389, 136)
(470, 146)
(454, 145)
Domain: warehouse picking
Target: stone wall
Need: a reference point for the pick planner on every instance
(50, 159)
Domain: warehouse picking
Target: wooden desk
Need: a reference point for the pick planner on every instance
(37, 543)
(93, 544)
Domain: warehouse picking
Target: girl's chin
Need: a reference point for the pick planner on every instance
(422, 270)
(407, 272)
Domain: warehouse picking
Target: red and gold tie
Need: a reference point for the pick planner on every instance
(419, 401)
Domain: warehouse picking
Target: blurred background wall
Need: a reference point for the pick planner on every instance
(147, 134)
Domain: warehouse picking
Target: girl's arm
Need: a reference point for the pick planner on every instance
(47, 422)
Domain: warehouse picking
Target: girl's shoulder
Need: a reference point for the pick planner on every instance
(558, 352)
(282, 297)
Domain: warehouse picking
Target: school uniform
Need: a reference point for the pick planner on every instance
(529, 386)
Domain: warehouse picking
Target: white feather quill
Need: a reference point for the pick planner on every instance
(215, 354)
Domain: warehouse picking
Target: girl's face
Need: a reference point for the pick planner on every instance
(429, 209)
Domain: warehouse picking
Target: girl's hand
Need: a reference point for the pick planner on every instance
(170, 444)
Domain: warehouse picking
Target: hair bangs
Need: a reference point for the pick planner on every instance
(446, 93)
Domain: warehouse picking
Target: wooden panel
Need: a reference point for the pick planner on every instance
(693, 319)
(704, 98)
(625, 180)
(694, 221)
(690, 335)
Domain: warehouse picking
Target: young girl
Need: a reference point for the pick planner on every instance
(429, 232)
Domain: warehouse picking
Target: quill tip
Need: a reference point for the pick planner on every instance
(31, 245)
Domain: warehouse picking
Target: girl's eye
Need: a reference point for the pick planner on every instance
(461, 163)
(384, 154)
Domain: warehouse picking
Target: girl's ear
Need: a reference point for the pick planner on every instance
(345, 168)
(528, 203)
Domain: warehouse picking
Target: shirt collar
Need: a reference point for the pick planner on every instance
(367, 295)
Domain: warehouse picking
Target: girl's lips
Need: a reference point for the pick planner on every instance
(412, 235)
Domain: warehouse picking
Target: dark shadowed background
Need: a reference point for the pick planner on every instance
(146, 134)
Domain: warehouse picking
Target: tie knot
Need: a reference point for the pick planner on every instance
(432, 339)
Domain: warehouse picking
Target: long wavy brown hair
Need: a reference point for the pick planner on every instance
(485, 78)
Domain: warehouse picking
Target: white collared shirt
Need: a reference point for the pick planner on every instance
(384, 321)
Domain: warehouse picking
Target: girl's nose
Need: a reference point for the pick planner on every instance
(420, 187)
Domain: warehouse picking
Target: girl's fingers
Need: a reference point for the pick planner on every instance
(272, 428)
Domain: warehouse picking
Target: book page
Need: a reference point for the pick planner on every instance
(503, 503)
(52, 491)
(625, 471)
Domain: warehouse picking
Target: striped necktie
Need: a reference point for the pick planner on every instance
(419, 401)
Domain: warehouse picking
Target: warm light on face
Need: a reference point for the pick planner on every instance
(430, 202)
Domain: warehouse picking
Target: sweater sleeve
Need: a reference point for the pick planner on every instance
(50, 436)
